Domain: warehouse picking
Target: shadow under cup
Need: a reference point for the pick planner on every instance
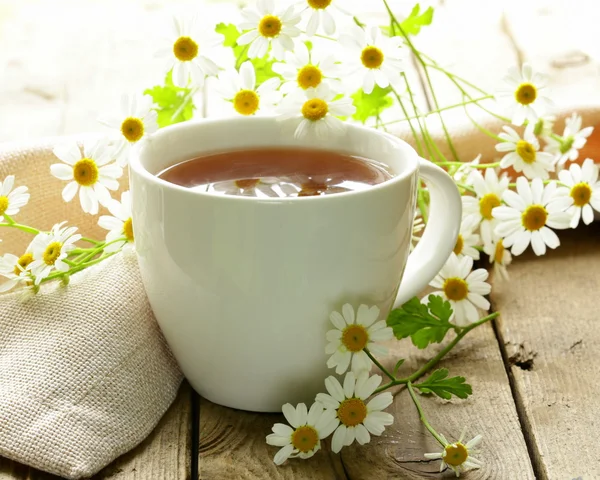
(243, 287)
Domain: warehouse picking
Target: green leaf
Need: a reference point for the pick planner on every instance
(172, 104)
(424, 324)
(372, 104)
(398, 365)
(439, 384)
(230, 32)
(413, 23)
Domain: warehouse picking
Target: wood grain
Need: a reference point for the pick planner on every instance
(549, 328)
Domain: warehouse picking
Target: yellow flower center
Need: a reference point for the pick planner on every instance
(85, 172)
(372, 57)
(460, 243)
(526, 151)
(534, 217)
(3, 204)
(132, 129)
(309, 76)
(499, 254)
(246, 102)
(319, 4)
(185, 49)
(456, 454)
(580, 193)
(128, 229)
(52, 253)
(355, 338)
(269, 26)
(456, 289)
(526, 93)
(352, 412)
(247, 183)
(315, 109)
(23, 262)
(305, 438)
(487, 203)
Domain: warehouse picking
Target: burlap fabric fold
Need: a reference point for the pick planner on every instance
(85, 374)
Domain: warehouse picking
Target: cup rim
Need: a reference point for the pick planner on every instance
(136, 165)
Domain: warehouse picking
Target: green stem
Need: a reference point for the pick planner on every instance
(412, 128)
(184, 103)
(379, 365)
(480, 166)
(468, 188)
(90, 240)
(413, 395)
(23, 228)
(421, 204)
(483, 129)
(453, 76)
(242, 54)
(78, 268)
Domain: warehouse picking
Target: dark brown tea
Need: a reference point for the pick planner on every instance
(277, 172)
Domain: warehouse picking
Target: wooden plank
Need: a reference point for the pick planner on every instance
(549, 328)
(232, 446)
(166, 453)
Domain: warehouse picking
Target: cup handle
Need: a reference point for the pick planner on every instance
(439, 237)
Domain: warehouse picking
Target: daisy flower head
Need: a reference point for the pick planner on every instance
(527, 216)
(544, 126)
(463, 288)
(51, 249)
(240, 89)
(320, 15)
(15, 269)
(458, 456)
(417, 228)
(119, 225)
(581, 196)
(303, 70)
(358, 419)
(134, 124)
(574, 138)
(267, 27)
(11, 201)
(303, 438)
(467, 240)
(352, 334)
(525, 95)
(188, 51)
(463, 173)
(523, 153)
(317, 111)
(488, 194)
(91, 173)
(376, 59)
(499, 256)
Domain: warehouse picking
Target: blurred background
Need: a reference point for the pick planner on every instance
(65, 62)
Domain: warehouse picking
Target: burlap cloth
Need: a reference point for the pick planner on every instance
(85, 374)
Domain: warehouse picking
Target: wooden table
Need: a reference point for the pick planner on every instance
(534, 371)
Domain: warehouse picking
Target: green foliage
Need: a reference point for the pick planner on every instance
(263, 66)
(413, 23)
(172, 104)
(439, 384)
(424, 324)
(371, 105)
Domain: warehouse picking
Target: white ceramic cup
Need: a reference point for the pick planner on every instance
(243, 287)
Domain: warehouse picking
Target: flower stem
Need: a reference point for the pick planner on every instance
(376, 362)
(483, 165)
(24, 228)
(415, 400)
(412, 128)
(421, 204)
(90, 240)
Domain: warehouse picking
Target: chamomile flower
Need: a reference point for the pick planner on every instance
(417, 228)
(358, 419)
(303, 438)
(267, 27)
(240, 89)
(373, 57)
(11, 201)
(352, 334)
(488, 194)
(50, 250)
(463, 288)
(467, 240)
(524, 96)
(120, 224)
(90, 173)
(500, 257)
(574, 138)
(15, 269)
(317, 112)
(463, 173)
(544, 125)
(188, 52)
(135, 123)
(523, 154)
(581, 196)
(458, 456)
(320, 15)
(302, 70)
(527, 216)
